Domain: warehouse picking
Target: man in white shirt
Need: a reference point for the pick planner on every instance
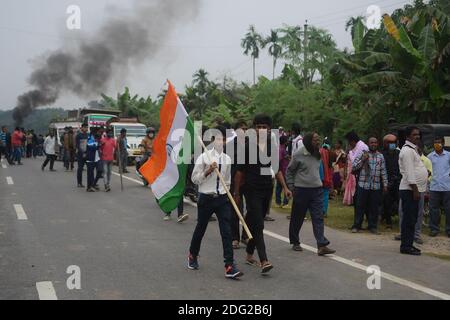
(213, 199)
(297, 142)
(413, 183)
(50, 150)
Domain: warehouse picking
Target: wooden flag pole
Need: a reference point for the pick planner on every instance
(222, 180)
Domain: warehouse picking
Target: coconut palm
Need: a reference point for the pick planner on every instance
(251, 43)
(274, 48)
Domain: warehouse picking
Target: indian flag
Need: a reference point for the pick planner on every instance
(166, 170)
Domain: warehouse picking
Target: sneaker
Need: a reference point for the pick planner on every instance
(183, 218)
(418, 241)
(232, 272)
(81, 186)
(96, 188)
(297, 247)
(107, 189)
(267, 218)
(90, 190)
(325, 250)
(286, 206)
(192, 262)
(167, 217)
(355, 230)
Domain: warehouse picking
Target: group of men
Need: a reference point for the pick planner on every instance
(251, 178)
(398, 180)
(19, 144)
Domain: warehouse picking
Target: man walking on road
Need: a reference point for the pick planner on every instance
(213, 199)
(303, 178)
(414, 181)
(440, 187)
(81, 146)
(258, 186)
(50, 144)
(123, 150)
(17, 141)
(107, 148)
(372, 183)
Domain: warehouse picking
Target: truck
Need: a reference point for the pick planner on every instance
(135, 133)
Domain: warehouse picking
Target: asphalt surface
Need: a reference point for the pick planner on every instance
(125, 250)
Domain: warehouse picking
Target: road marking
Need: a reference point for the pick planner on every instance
(387, 276)
(46, 291)
(21, 215)
(9, 180)
(128, 178)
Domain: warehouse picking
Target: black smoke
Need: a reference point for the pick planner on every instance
(88, 68)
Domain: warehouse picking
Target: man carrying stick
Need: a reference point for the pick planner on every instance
(213, 199)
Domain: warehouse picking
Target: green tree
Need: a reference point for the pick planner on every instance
(274, 48)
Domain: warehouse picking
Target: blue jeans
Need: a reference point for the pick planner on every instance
(17, 152)
(207, 205)
(278, 191)
(308, 199)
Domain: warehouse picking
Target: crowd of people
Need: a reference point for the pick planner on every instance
(20, 144)
(379, 181)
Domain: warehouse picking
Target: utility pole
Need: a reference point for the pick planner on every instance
(305, 53)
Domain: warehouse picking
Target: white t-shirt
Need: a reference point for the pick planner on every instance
(297, 143)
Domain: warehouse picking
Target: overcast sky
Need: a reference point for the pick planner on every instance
(30, 28)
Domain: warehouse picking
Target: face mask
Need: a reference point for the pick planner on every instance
(392, 146)
(438, 147)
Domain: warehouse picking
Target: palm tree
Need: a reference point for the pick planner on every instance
(201, 81)
(251, 44)
(275, 48)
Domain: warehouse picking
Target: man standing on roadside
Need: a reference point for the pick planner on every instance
(372, 182)
(123, 150)
(439, 187)
(414, 181)
(81, 141)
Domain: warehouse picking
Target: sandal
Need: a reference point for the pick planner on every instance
(266, 268)
(252, 262)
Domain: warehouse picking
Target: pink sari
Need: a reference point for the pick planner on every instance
(350, 185)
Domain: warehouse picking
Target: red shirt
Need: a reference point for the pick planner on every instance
(16, 139)
(108, 145)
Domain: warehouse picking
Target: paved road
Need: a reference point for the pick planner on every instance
(126, 251)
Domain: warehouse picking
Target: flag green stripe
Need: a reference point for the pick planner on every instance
(169, 202)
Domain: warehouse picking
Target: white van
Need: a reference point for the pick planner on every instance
(135, 133)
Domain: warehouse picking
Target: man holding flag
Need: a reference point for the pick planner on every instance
(213, 199)
(166, 173)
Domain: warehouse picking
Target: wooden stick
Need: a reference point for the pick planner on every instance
(222, 180)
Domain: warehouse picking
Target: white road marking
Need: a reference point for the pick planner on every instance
(128, 178)
(9, 180)
(387, 276)
(21, 215)
(46, 291)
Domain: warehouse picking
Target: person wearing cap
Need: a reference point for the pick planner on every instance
(123, 151)
(391, 198)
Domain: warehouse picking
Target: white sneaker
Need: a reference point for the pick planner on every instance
(183, 218)
(167, 218)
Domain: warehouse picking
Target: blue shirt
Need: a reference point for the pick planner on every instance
(3, 138)
(441, 171)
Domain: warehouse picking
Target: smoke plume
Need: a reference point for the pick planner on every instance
(120, 43)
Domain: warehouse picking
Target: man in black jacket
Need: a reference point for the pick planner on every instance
(391, 198)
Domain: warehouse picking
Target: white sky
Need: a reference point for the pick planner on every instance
(30, 28)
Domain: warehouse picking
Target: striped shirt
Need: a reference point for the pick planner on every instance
(373, 171)
(2, 139)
